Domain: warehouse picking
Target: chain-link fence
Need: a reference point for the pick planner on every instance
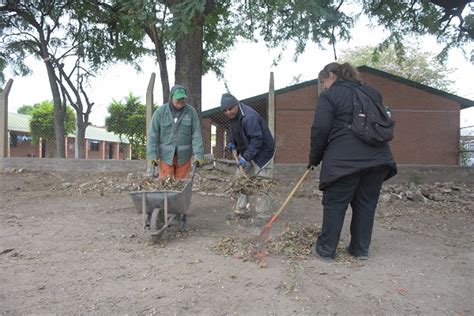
(289, 115)
(215, 127)
(424, 135)
(466, 147)
(29, 136)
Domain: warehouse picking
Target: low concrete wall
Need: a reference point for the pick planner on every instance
(406, 173)
(73, 165)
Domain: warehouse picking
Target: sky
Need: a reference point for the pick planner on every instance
(247, 73)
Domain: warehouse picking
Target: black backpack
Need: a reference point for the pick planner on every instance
(370, 120)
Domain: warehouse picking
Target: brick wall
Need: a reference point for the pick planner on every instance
(427, 125)
(294, 112)
(22, 148)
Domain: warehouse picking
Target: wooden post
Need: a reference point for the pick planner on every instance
(271, 113)
(87, 148)
(149, 111)
(4, 143)
(66, 149)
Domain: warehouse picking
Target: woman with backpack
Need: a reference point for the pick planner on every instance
(352, 170)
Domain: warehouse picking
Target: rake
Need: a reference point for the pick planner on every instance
(234, 153)
(262, 239)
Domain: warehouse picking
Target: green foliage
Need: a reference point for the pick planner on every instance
(127, 118)
(220, 34)
(281, 21)
(42, 122)
(413, 64)
(87, 30)
(27, 109)
(407, 18)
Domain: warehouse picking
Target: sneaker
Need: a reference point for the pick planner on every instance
(360, 257)
(316, 255)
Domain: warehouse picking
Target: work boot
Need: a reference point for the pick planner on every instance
(358, 257)
(260, 221)
(263, 205)
(242, 202)
(262, 210)
(315, 254)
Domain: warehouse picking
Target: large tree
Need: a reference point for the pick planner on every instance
(415, 64)
(57, 31)
(197, 31)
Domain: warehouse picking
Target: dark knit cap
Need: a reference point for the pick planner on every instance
(228, 101)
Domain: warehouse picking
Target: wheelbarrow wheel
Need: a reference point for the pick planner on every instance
(157, 237)
(157, 220)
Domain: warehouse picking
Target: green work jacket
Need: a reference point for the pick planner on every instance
(167, 138)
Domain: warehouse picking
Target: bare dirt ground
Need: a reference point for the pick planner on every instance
(74, 244)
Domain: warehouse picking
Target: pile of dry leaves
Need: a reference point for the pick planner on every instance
(295, 242)
(166, 184)
(250, 186)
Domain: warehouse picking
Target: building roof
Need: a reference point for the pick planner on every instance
(464, 103)
(21, 123)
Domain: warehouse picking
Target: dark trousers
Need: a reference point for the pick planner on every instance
(361, 190)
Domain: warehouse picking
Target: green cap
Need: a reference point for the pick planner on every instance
(180, 93)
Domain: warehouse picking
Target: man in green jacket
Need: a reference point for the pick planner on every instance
(175, 136)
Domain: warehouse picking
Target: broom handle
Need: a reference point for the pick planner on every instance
(275, 216)
(234, 153)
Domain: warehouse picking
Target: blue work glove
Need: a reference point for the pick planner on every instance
(243, 163)
(230, 146)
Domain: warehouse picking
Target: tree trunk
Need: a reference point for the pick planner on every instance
(59, 112)
(161, 58)
(80, 137)
(189, 55)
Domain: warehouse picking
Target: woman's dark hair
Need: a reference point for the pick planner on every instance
(345, 71)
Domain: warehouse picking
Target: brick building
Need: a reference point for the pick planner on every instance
(427, 120)
(99, 143)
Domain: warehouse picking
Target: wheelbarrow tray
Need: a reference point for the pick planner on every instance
(178, 201)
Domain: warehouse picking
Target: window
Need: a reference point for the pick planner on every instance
(13, 140)
(94, 145)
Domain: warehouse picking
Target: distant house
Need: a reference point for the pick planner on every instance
(427, 120)
(99, 143)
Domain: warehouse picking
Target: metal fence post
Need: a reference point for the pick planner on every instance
(271, 113)
(4, 144)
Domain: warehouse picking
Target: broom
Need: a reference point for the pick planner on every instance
(261, 241)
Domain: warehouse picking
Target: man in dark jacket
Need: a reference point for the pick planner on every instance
(251, 138)
(352, 171)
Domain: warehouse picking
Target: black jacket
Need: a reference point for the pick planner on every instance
(332, 142)
(259, 145)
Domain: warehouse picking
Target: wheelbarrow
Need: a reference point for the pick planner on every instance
(162, 208)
